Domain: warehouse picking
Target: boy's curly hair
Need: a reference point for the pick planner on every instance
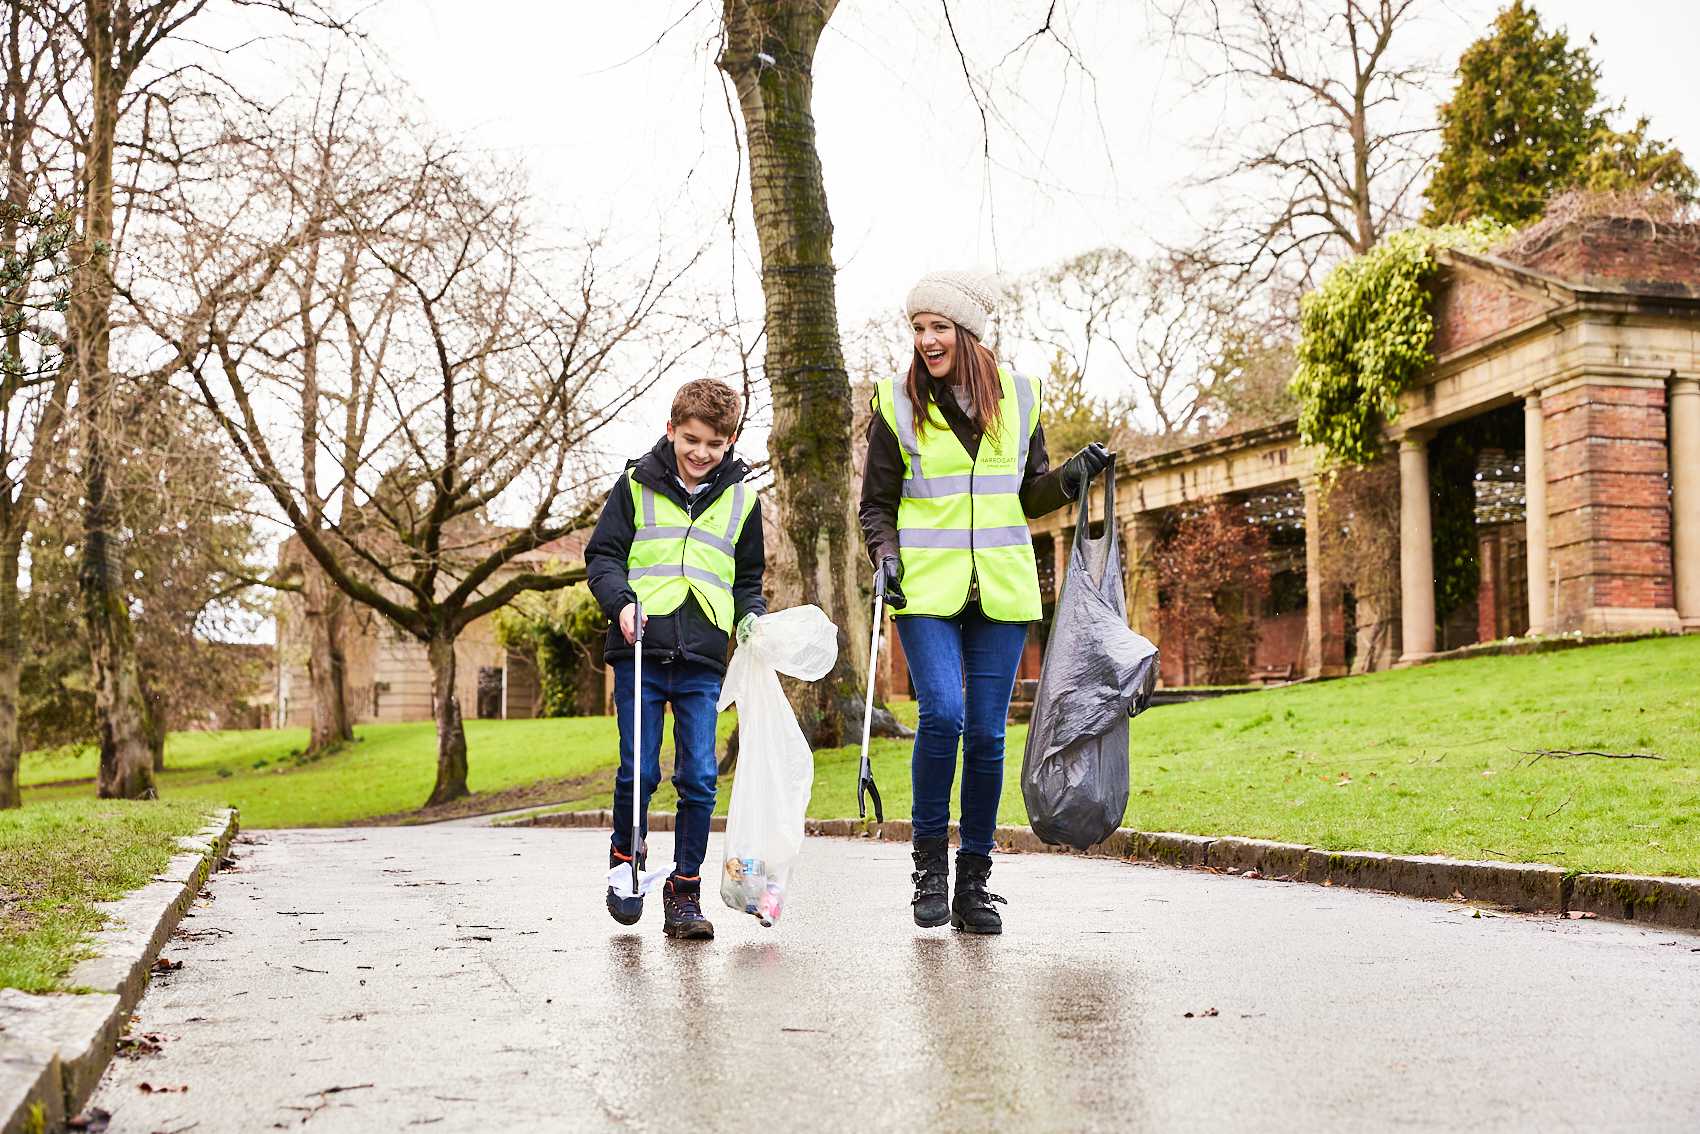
(711, 402)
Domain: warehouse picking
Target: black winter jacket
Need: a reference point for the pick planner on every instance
(688, 633)
(1042, 489)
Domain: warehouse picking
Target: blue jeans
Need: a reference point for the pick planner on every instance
(692, 689)
(964, 673)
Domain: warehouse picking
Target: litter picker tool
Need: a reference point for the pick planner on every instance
(634, 884)
(865, 775)
(637, 742)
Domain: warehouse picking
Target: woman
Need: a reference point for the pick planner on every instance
(956, 465)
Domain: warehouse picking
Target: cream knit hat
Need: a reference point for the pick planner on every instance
(965, 298)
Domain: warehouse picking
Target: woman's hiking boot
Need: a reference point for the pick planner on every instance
(626, 911)
(972, 910)
(681, 910)
(932, 881)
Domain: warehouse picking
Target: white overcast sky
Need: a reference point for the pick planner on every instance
(632, 137)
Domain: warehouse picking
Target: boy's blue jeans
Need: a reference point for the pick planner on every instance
(964, 672)
(692, 689)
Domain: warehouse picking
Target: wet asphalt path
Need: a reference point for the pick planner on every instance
(463, 979)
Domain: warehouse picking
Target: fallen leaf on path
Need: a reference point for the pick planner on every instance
(150, 1089)
(166, 965)
(94, 1119)
(1208, 1012)
(1580, 915)
(134, 1047)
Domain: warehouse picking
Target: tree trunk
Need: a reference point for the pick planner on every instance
(155, 723)
(326, 668)
(769, 52)
(126, 765)
(451, 735)
(11, 667)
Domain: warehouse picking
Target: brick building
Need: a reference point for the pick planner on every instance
(1571, 362)
(387, 674)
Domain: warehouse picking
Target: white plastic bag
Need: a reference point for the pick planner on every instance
(776, 768)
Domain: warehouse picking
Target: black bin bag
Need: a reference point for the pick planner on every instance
(1097, 675)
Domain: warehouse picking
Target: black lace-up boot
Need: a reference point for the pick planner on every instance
(681, 910)
(932, 880)
(973, 911)
(626, 911)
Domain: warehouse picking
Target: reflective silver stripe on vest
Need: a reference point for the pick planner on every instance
(697, 534)
(933, 487)
(904, 410)
(648, 506)
(962, 539)
(737, 514)
(675, 569)
(1024, 403)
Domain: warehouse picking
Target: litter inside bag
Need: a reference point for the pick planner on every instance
(1097, 675)
(776, 768)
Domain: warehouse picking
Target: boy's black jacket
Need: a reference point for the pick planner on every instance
(688, 633)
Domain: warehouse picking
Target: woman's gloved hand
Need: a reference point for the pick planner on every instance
(891, 573)
(1083, 466)
(746, 626)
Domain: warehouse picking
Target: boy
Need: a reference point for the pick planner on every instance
(681, 533)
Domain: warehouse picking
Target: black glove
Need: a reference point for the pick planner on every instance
(1083, 466)
(891, 575)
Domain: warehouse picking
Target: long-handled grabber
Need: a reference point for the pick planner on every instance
(636, 884)
(865, 775)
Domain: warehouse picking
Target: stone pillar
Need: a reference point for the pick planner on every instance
(1685, 497)
(1416, 550)
(1535, 514)
(1609, 470)
(1325, 608)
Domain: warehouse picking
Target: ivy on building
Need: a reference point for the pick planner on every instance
(1366, 333)
(562, 632)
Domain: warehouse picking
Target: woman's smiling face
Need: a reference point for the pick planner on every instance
(935, 338)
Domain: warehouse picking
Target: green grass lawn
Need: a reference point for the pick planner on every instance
(1420, 761)
(1416, 761)
(58, 859)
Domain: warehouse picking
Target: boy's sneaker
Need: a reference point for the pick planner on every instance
(626, 911)
(681, 910)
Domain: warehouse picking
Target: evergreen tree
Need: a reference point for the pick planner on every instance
(1526, 122)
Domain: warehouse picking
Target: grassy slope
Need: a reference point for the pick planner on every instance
(57, 859)
(1416, 761)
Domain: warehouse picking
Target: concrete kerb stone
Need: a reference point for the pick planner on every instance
(1673, 903)
(30, 1096)
(61, 1043)
(1528, 887)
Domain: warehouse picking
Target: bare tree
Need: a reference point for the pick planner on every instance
(1150, 331)
(35, 234)
(471, 384)
(1333, 154)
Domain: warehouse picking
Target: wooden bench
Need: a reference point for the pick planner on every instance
(1272, 674)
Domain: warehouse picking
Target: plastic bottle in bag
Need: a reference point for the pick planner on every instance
(776, 767)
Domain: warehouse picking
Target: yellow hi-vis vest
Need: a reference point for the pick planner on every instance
(959, 519)
(674, 555)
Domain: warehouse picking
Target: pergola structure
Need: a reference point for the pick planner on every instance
(1594, 332)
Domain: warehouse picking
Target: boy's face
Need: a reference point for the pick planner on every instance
(698, 447)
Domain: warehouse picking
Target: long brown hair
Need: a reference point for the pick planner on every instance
(975, 367)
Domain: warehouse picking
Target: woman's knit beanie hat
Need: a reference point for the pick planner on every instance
(965, 298)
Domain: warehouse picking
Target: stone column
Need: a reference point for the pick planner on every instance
(1685, 497)
(1535, 514)
(1142, 574)
(1416, 550)
(1325, 609)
